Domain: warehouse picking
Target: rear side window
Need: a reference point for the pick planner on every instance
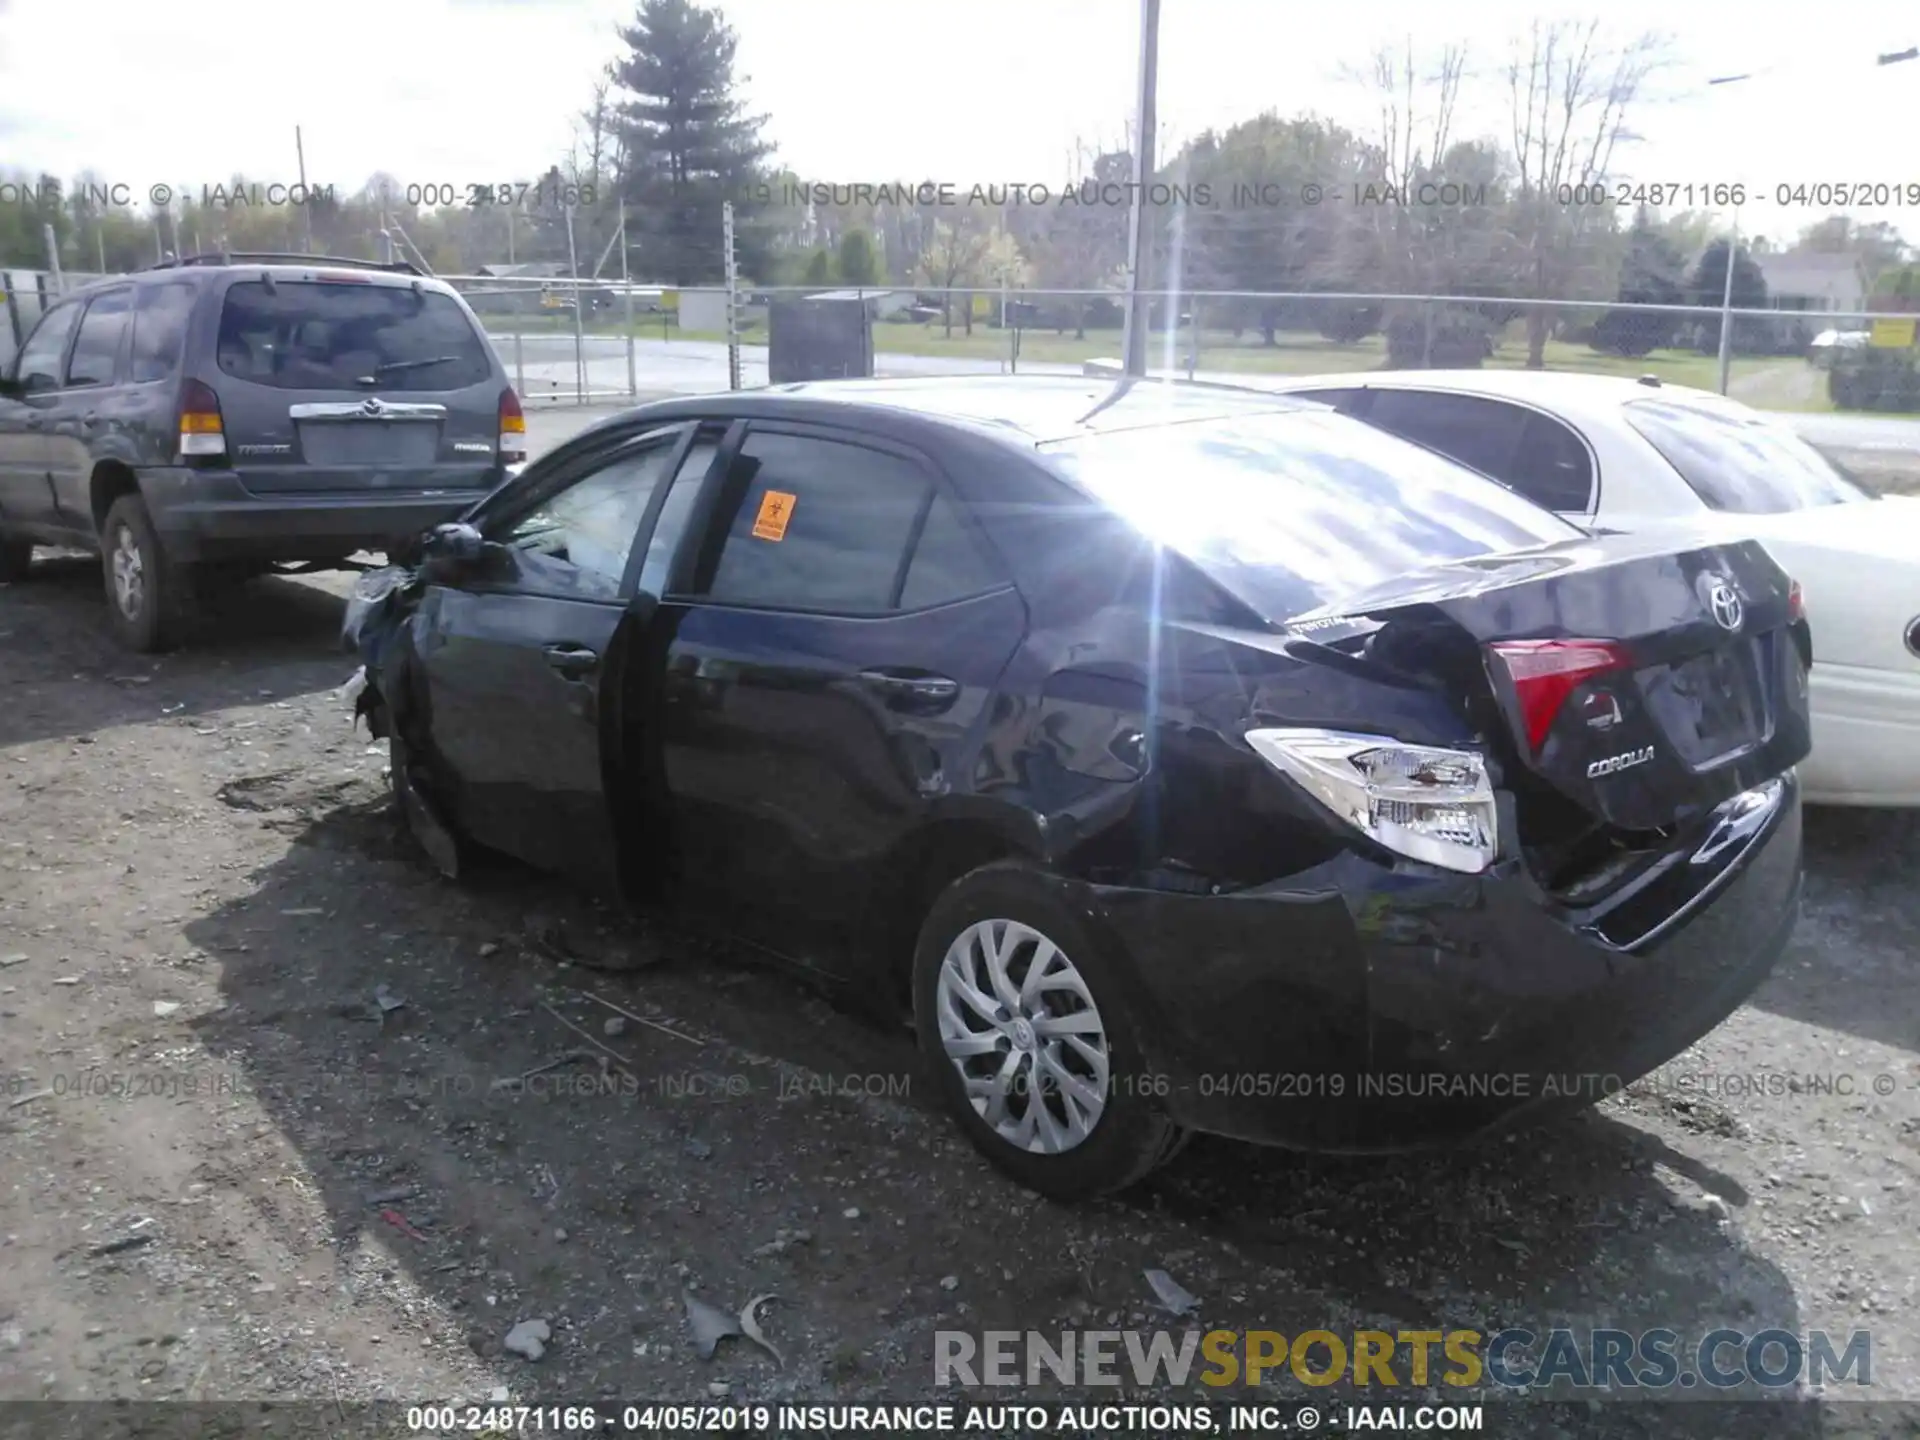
(1481, 433)
(96, 349)
(160, 315)
(319, 335)
(1739, 461)
(947, 564)
(1347, 402)
(1552, 468)
(819, 525)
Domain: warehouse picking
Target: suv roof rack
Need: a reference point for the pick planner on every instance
(272, 257)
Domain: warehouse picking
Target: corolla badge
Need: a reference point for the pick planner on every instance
(1614, 764)
(1723, 601)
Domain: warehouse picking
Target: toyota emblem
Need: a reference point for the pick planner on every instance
(1725, 604)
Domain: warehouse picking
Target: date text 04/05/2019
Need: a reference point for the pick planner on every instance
(1069, 1419)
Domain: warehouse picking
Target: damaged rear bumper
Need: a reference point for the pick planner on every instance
(1362, 1007)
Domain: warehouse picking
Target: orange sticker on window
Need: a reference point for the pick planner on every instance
(776, 509)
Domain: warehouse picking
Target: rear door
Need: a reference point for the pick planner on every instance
(828, 649)
(354, 382)
(516, 661)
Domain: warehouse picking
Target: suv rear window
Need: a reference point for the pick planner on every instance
(319, 335)
(1293, 510)
(1740, 462)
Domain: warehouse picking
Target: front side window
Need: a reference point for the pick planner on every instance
(1739, 461)
(96, 350)
(39, 367)
(341, 335)
(818, 525)
(577, 541)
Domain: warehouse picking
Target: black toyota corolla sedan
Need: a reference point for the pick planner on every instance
(1174, 759)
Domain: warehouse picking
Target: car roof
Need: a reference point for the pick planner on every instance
(1027, 409)
(1548, 389)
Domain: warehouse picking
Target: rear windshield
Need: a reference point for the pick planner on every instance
(1291, 511)
(1740, 462)
(318, 335)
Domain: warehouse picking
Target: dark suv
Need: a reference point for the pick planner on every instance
(199, 421)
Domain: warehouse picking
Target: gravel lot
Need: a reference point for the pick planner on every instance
(246, 1033)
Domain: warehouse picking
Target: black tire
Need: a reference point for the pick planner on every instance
(450, 851)
(157, 617)
(16, 558)
(1131, 1136)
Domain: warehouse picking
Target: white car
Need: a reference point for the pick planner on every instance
(1617, 454)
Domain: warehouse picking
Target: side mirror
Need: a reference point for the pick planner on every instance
(454, 542)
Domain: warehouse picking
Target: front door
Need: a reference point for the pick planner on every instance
(85, 413)
(26, 492)
(518, 657)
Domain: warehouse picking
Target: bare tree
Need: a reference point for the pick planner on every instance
(951, 253)
(1570, 95)
(1415, 97)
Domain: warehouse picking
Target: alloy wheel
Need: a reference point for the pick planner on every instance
(1020, 1025)
(129, 573)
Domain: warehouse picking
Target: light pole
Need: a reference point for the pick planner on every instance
(1140, 231)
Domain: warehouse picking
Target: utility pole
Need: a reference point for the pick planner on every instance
(306, 200)
(626, 286)
(1726, 306)
(1140, 232)
(733, 297)
(579, 332)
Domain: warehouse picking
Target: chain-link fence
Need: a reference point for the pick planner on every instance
(574, 341)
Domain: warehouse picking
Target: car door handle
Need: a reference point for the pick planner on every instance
(911, 689)
(572, 661)
(90, 419)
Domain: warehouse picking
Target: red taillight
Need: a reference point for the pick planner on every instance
(1796, 601)
(1546, 672)
(201, 430)
(513, 429)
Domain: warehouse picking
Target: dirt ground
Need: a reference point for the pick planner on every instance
(251, 1039)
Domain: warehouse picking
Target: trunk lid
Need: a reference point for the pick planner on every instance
(1624, 684)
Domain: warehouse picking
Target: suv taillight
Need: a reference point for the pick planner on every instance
(513, 429)
(201, 432)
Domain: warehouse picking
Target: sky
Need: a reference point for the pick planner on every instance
(994, 91)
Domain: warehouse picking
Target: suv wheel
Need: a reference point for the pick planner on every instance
(16, 558)
(148, 598)
(1018, 1015)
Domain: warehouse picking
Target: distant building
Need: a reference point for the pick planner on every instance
(881, 304)
(525, 270)
(1815, 282)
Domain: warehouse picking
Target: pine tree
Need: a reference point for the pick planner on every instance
(690, 145)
